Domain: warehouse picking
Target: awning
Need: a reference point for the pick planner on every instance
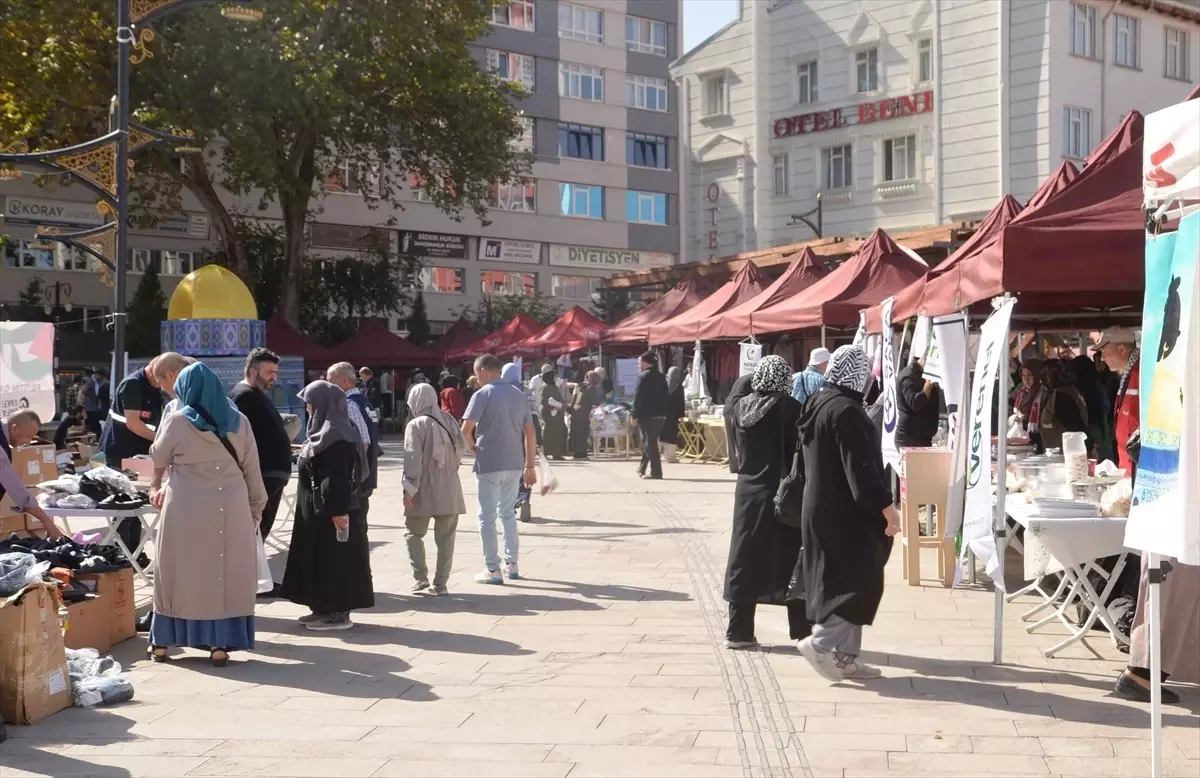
(519, 327)
(287, 342)
(635, 329)
(747, 283)
(739, 321)
(375, 345)
(459, 335)
(574, 331)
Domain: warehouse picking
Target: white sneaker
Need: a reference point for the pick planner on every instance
(511, 571)
(419, 587)
(854, 670)
(822, 661)
(493, 577)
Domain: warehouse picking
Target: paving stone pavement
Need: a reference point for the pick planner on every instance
(606, 660)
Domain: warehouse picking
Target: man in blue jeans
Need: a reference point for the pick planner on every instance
(498, 427)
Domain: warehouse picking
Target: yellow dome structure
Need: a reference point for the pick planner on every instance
(211, 292)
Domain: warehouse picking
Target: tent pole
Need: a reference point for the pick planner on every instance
(1000, 522)
(1154, 595)
(822, 336)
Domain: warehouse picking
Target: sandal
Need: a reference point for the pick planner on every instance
(219, 657)
(156, 653)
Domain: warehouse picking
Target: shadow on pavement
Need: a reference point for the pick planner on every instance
(605, 592)
(484, 604)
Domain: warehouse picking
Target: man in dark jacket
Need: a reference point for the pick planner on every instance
(651, 404)
(270, 435)
(917, 404)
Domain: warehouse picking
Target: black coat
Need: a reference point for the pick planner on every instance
(845, 544)
(917, 420)
(678, 407)
(762, 550)
(740, 388)
(650, 396)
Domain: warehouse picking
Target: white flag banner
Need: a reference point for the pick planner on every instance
(861, 335)
(922, 340)
(948, 344)
(751, 354)
(697, 384)
(978, 512)
(891, 454)
(1171, 154)
(27, 368)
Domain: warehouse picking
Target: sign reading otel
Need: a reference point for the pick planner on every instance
(864, 113)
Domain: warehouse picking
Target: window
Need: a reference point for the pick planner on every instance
(924, 60)
(70, 258)
(442, 280)
(29, 254)
(646, 150)
(1077, 132)
(502, 282)
(1083, 30)
(415, 184)
(866, 68)
(518, 14)
(1127, 32)
(838, 166)
(646, 92)
(140, 259)
(780, 164)
(645, 207)
(900, 158)
(525, 142)
(580, 82)
(348, 178)
(581, 24)
(581, 200)
(517, 68)
(716, 96)
(177, 263)
(1177, 55)
(806, 83)
(574, 287)
(646, 35)
(579, 141)
(520, 197)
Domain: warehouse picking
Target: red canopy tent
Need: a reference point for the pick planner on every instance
(374, 344)
(1080, 247)
(519, 327)
(635, 329)
(460, 334)
(574, 331)
(879, 268)
(747, 283)
(285, 341)
(738, 321)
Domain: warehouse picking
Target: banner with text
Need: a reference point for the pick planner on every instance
(891, 454)
(27, 368)
(526, 252)
(751, 354)
(921, 343)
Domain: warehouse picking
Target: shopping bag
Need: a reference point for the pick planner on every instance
(546, 478)
(265, 582)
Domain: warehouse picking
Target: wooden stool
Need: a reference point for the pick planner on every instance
(926, 481)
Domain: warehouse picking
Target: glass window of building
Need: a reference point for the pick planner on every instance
(508, 283)
(443, 280)
(900, 158)
(806, 83)
(780, 166)
(643, 150)
(580, 82)
(1077, 132)
(581, 200)
(517, 14)
(646, 92)
(520, 197)
(838, 166)
(574, 287)
(646, 35)
(580, 23)
(645, 207)
(579, 141)
(517, 68)
(866, 69)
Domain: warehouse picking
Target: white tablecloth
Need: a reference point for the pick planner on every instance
(1052, 545)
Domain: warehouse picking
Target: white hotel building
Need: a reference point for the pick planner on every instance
(904, 114)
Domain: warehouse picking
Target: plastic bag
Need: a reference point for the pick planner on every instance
(95, 679)
(19, 570)
(1117, 498)
(265, 582)
(64, 483)
(547, 481)
(114, 479)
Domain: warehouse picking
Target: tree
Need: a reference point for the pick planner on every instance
(614, 305)
(494, 311)
(383, 89)
(418, 322)
(145, 314)
(29, 302)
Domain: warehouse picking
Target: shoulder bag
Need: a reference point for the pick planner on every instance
(204, 414)
(789, 498)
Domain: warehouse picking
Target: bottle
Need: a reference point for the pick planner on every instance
(343, 533)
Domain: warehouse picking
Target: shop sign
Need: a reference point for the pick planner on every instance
(864, 113)
(607, 259)
(35, 210)
(343, 236)
(189, 225)
(714, 194)
(433, 244)
(526, 252)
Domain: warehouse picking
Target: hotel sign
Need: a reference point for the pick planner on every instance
(864, 113)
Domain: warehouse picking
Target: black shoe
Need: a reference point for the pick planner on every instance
(143, 622)
(652, 477)
(1132, 690)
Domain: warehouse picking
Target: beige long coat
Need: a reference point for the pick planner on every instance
(439, 489)
(207, 562)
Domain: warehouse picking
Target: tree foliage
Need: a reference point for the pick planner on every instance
(418, 322)
(493, 312)
(318, 86)
(614, 305)
(145, 314)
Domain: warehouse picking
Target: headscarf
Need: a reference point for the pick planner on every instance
(848, 368)
(328, 418)
(1087, 380)
(771, 374)
(423, 401)
(1027, 397)
(1058, 374)
(201, 394)
(512, 374)
(674, 378)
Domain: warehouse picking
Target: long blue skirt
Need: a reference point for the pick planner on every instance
(233, 633)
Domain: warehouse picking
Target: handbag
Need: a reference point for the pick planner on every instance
(789, 497)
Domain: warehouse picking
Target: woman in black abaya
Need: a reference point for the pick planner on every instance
(848, 519)
(762, 549)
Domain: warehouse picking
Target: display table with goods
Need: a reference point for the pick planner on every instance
(713, 444)
(612, 431)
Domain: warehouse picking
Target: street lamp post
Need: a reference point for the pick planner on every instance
(56, 293)
(124, 51)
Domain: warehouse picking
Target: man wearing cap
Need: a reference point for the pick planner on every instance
(1118, 348)
(809, 381)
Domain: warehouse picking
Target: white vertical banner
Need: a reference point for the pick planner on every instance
(27, 369)
(948, 347)
(860, 335)
(697, 385)
(922, 341)
(751, 354)
(891, 454)
(978, 512)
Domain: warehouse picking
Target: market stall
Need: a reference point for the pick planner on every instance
(575, 330)
(634, 330)
(460, 334)
(284, 340)
(518, 328)
(746, 284)
(738, 321)
(374, 344)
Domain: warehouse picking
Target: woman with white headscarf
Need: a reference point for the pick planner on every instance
(329, 576)
(762, 549)
(847, 519)
(433, 450)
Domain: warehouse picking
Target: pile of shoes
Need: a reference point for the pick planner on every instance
(102, 487)
(67, 554)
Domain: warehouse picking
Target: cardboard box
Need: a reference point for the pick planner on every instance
(34, 681)
(21, 524)
(117, 589)
(87, 624)
(34, 464)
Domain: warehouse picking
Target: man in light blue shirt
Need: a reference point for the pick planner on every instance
(498, 427)
(808, 382)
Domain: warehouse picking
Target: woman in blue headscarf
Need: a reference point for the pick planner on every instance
(206, 576)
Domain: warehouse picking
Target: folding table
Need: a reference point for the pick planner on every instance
(148, 516)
